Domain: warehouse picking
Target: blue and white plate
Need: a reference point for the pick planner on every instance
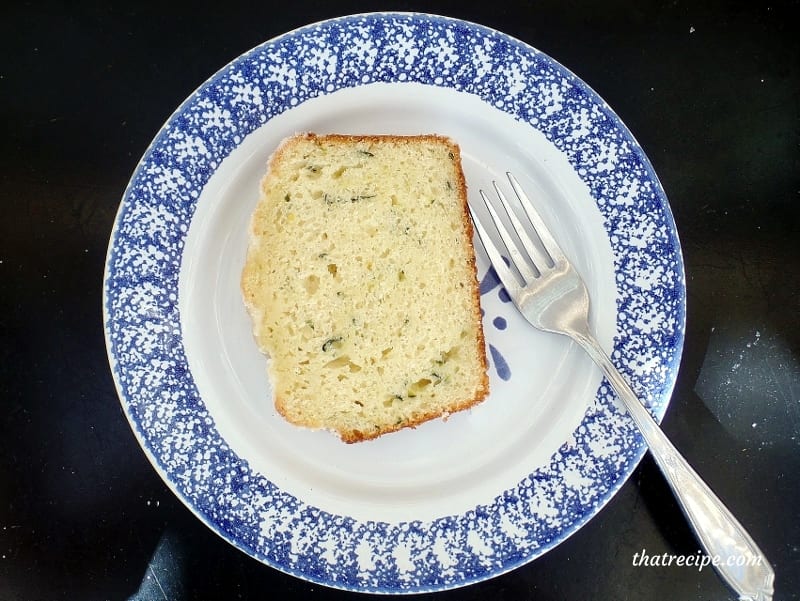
(451, 502)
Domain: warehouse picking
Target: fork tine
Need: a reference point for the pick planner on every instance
(516, 257)
(540, 260)
(506, 276)
(549, 243)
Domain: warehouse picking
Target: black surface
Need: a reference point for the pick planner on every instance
(710, 90)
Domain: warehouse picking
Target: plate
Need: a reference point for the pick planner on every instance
(451, 502)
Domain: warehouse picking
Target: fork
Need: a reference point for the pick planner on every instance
(552, 296)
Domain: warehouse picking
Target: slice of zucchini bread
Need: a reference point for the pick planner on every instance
(361, 284)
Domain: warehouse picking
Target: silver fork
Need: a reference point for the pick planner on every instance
(553, 297)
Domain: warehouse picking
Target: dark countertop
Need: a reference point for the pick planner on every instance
(710, 90)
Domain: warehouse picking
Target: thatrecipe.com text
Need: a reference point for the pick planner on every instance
(698, 560)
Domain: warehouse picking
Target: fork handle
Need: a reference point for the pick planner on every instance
(720, 534)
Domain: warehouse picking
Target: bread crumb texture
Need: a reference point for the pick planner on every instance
(361, 284)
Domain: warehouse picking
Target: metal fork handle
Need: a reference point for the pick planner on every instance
(721, 535)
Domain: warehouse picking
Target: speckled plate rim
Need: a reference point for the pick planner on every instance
(144, 340)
